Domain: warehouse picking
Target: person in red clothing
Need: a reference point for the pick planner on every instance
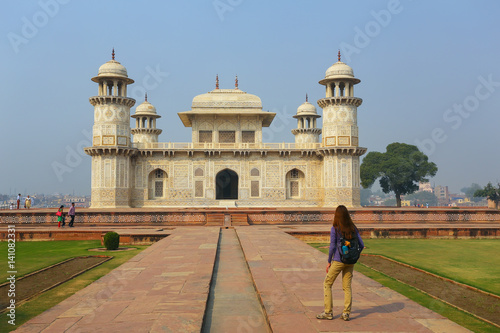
(60, 217)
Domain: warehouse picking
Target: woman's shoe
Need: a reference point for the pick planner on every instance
(325, 315)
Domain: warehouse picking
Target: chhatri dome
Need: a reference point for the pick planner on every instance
(112, 69)
(145, 108)
(306, 108)
(340, 70)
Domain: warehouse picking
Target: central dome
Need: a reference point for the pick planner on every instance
(226, 98)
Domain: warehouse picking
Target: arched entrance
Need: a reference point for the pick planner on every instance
(226, 185)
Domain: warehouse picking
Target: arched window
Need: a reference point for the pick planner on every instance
(198, 172)
(294, 184)
(157, 184)
(254, 172)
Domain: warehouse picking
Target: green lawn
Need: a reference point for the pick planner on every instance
(474, 262)
(32, 256)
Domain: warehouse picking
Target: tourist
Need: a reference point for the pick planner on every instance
(18, 200)
(60, 216)
(28, 202)
(342, 225)
(71, 214)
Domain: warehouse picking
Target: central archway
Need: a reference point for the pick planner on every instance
(226, 185)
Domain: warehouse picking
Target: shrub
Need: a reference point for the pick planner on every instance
(111, 240)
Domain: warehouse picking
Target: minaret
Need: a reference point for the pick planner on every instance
(145, 130)
(111, 150)
(306, 131)
(340, 137)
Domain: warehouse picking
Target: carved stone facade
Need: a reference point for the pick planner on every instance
(226, 164)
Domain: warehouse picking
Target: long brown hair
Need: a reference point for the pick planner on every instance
(342, 222)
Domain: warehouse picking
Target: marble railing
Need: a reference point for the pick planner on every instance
(218, 145)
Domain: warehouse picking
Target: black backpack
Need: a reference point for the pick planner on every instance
(349, 249)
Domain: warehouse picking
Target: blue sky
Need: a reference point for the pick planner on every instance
(429, 74)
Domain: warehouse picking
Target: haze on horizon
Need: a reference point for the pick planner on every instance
(429, 75)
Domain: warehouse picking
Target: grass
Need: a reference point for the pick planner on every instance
(435, 255)
(471, 261)
(32, 256)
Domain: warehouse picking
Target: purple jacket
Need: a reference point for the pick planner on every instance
(334, 245)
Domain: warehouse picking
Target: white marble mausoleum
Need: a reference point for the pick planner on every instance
(226, 163)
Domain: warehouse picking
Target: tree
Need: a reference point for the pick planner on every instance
(399, 169)
(469, 192)
(491, 192)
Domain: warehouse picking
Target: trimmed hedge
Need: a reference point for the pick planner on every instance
(111, 240)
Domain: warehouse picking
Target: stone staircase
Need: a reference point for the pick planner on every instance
(215, 219)
(239, 219)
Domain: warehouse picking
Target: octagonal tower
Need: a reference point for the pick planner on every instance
(340, 137)
(111, 149)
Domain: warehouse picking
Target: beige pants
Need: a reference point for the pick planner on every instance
(333, 272)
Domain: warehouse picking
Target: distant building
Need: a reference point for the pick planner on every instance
(443, 195)
(425, 187)
(405, 203)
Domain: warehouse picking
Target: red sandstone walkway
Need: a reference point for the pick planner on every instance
(165, 289)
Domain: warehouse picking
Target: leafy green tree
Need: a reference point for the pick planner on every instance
(469, 192)
(400, 169)
(491, 192)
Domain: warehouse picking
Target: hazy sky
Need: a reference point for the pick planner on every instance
(429, 70)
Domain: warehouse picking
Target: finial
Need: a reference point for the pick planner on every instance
(339, 55)
(113, 54)
(217, 81)
(146, 97)
(236, 82)
(307, 99)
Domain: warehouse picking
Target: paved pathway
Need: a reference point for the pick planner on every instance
(162, 289)
(165, 289)
(289, 277)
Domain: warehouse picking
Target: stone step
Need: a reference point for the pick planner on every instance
(215, 219)
(239, 219)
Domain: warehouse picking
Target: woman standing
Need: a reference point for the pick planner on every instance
(60, 217)
(343, 227)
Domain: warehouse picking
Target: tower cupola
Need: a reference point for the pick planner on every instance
(145, 130)
(306, 131)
